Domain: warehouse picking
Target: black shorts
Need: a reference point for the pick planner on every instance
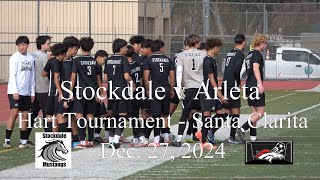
(84, 106)
(100, 110)
(175, 99)
(190, 102)
(209, 104)
(23, 104)
(145, 104)
(110, 102)
(39, 102)
(232, 103)
(256, 102)
(52, 105)
(161, 106)
(120, 106)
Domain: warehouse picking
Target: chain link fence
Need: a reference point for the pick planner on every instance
(293, 28)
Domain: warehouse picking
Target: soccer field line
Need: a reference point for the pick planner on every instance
(6, 150)
(238, 177)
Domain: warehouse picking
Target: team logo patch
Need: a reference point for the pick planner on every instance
(269, 152)
(53, 150)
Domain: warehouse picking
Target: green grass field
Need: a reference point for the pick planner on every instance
(306, 147)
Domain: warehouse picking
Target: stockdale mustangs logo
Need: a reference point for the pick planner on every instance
(269, 152)
(53, 150)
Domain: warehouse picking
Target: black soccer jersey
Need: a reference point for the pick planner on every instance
(137, 58)
(135, 72)
(160, 67)
(254, 56)
(65, 74)
(52, 66)
(87, 69)
(209, 67)
(233, 65)
(115, 68)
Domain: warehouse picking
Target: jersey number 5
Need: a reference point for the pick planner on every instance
(161, 67)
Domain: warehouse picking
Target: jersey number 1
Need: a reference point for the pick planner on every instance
(193, 65)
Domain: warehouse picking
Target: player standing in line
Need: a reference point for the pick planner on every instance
(189, 75)
(208, 104)
(86, 69)
(117, 71)
(146, 52)
(160, 69)
(42, 83)
(233, 65)
(21, 90)
(136, 75)
(254, 65)
(101, 57)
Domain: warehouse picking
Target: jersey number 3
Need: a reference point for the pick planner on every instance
(89, 70)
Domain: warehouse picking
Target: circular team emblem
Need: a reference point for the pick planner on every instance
(50, 151)
(308, 70)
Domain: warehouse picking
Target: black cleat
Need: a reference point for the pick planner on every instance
(176, 144)
(98, 140)
(195, 139)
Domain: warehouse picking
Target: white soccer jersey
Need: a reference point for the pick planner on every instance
(21, 75)
(191, 61)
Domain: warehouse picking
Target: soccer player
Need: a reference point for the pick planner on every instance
(233, 65)
(159, 69)
(21, 90)
(209, 104)
(189, 75)
(254, 65)
(101, 57)
(136, 75)
(117, 71)
(146, 52)
(42, 83)
(86, 69)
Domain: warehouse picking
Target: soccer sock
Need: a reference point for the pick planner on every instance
(96, 135)
(23, 137)
(75, 138)
(157, 129)
(234, 125)
(245, 126)
(106, 135)
(195, 125)
(8, 134)
(190, 127)
(183, 120)
(179, 138)
(119, 131)
(90, 130)
(63, 127)
(116, 139)
(205, 130)
(253, 134)
(218, 120)
(82, 129)
(156, 139)
(49, 128)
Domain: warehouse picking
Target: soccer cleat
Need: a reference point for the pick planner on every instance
(75, 144)
(172, 137)
(98, 140)
(30, 143)
(199, 135)
(124, 140)
(240, 134)
(90, 144)
(157, 144)
(176, 144)
(232, 140)
(141, 143)
(161, 139)
(7, 145)
(189, 140)
(195, 139)
(116, 145)
(22, 146)
(209, 146)
(81, 146)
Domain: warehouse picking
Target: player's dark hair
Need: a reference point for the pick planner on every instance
(86, 43)
(59, 49)
(185, 42)
(101, 53)
(192, 40)
(212, 43)
(22, 39)
(146, 43)
(118, 44)
(130, 51)
(239, 39)
(136, 39)
(157, 45)
(42, 40)
(71, 41)
(202, 46)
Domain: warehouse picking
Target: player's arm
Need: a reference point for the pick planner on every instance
(146, 77)
(238, 66)
(172, 82)
(179, 72)
(46, 69)
(256, 70)
(57, 84)
(73, 80)
(13, 70)
(33, 83)
(126, 71)
(214, 85)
